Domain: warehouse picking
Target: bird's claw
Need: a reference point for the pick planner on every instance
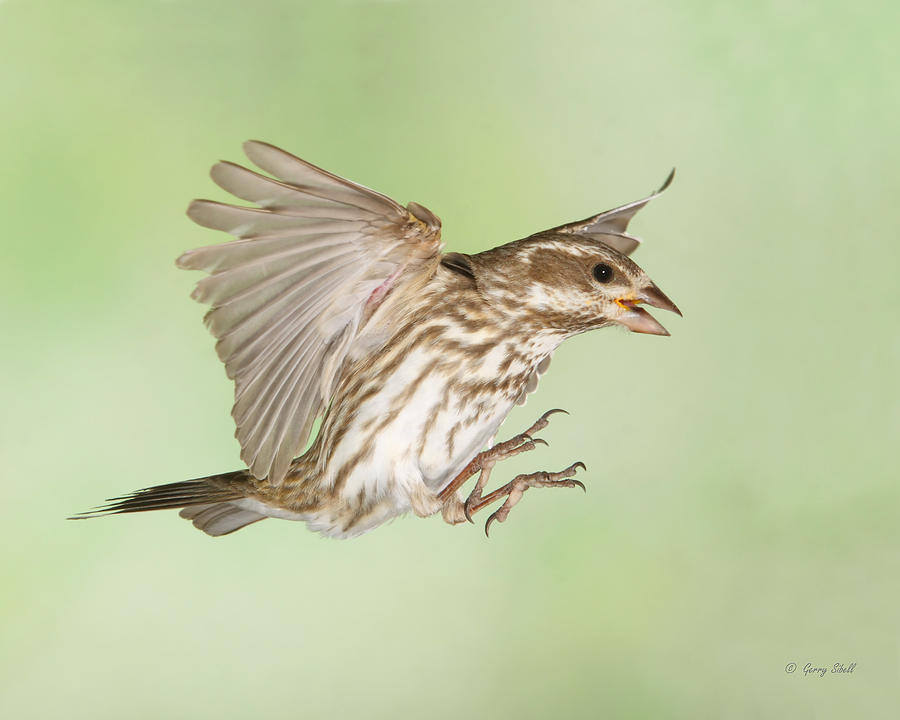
(482, 465)
(553, 411)
(544, 420)
(487, 524)
(515, 489)
(467, 509)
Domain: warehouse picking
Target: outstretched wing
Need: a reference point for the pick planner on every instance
(609, 227)
(293, 292)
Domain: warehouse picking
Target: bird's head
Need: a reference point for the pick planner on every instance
(575, 277)
(571, 283)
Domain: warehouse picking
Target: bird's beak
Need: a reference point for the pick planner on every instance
(639, 320)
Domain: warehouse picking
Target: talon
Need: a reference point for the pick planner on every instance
(485, 460)
(553, 412)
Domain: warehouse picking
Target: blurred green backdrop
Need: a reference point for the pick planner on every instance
(742, 505)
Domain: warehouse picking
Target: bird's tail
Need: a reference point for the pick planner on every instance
(212, 503)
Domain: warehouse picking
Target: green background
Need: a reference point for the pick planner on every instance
(742, 505)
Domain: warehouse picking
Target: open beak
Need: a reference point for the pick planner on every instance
(637, 319)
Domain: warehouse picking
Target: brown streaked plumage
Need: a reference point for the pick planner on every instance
(335, 301)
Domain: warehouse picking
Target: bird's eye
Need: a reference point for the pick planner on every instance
(603, 273)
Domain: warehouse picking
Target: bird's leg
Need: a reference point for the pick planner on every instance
(455, 510)
(515, 489)
(475, 495)
(523, 442)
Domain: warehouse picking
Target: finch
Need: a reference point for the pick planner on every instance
(335, 302)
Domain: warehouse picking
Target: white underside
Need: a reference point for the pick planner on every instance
(401, 472)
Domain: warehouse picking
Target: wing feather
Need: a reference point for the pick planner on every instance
(291, 295)
(287, 415)
(275, 195)
(610, 227)
(273, 325)
(294, 330)
(261, 407)
(245, 222)
(214, 258)
(312, 180)
(300, 262)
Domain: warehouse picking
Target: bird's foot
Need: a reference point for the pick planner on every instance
(515, 489)
(484, 461)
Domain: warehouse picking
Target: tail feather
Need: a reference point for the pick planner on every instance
(208, 502)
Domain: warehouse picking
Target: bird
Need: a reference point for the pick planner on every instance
(335, 303)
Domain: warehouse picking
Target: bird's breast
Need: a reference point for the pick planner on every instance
(417, 418)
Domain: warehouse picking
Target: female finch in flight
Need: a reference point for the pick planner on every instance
(335, 301)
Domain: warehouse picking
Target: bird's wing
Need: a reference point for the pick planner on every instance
(293, 292)
(610, 227)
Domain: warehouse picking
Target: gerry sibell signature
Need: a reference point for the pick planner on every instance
(810, 669)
